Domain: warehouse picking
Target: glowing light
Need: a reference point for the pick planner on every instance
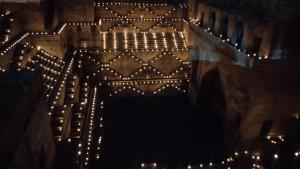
(125, 38)
(164, 40)
(174, 39)
(62, 28)
(135, 41)
(115, 40)
(183, 38)
(155, 42)
(145, 41)
(104, 40)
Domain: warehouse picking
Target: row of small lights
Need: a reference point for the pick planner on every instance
(158, 72)
(79, 62)
(121, 23)
(274, 140)
(279, 139)
(158, 24)
(138, 91)
(139, 6)
(63, 26)
(124, 3)
(49, 64)
(148, 67)
(167, 86)
(70, 85)
(255, 158)
(57, 63)
(132, 88)
(202, 165)
(182, 36)
(130, 12)
(140, 70)
(14, 44)
(18, 57)
(100, 137)
(38, 48)
(139, 60)
(173, 55)
(83, 101)
(54, 33)
(140, 50)
(51, 70)
(6, 39)
(195, 22)
(145, 41)
(76, 125)
(59, 118)
(83, 23)
(6, 32)
(116, 83)
(65, 74)
(90, 128)
(143, 19)
(84, 94)
(145, 66)
(152, 28)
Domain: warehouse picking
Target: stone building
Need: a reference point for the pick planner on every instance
(149, 84)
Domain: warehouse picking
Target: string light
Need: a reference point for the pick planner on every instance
(62, 28)
(164, 39)
(135, 41)
(42, 58)
(104, 40)
(125, 38)
(155, 41)
(90, 127)
(196, 23)
(145, 40)
(174, 40)
(14, 44)
(115, 40)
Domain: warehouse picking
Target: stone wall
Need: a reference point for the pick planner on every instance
(26, 136)
(266, 90)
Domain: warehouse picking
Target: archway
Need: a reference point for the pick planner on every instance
(202, 19)
(211, 21)
(224, 27)
(211, 107)
(238, 34)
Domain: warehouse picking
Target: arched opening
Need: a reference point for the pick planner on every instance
(238, 34)
(224, 27)
(211, 107)
(202, 19)
(211, 21)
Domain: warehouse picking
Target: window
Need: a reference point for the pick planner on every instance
(212, 20)
(256, 44)
(238, 34)
(202, 19)
(224, 27)
(266, 128)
